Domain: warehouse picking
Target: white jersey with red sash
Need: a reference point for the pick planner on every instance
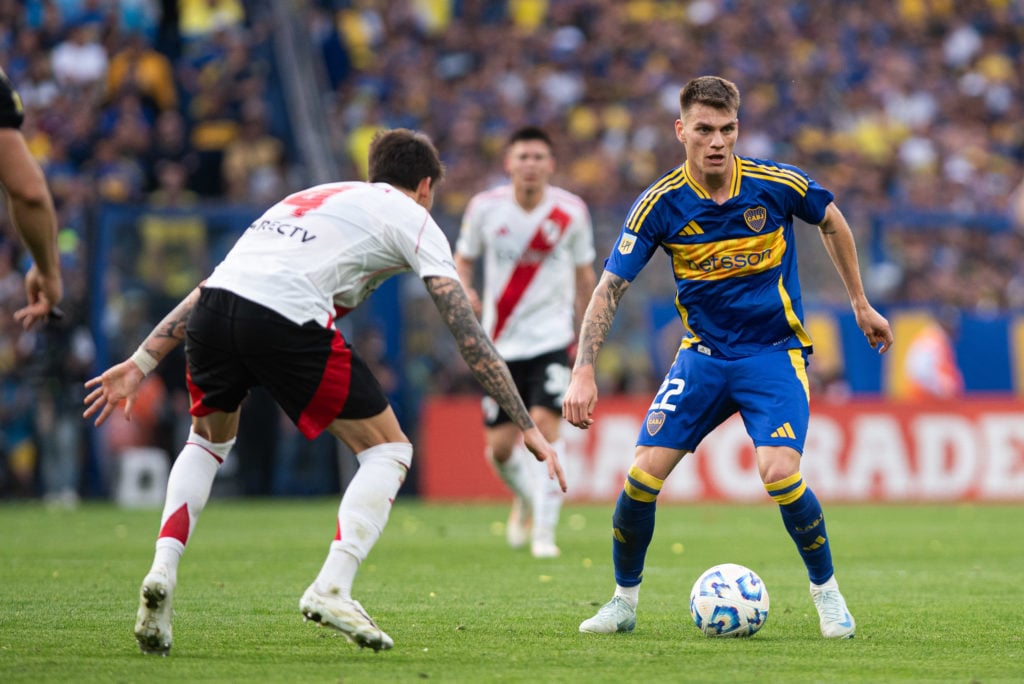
(317, 254)
(530, 261)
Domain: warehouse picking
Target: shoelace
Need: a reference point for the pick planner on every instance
(831, 606)
(612, 608)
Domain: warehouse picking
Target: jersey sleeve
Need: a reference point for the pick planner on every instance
(639, 238)
(428, 252)
(810, 206)
(582, 244)
(469, 243)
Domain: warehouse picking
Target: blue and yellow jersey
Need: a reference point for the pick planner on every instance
(735, 265)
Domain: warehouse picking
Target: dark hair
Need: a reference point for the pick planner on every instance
(713, 91)
(530, 133)
(403, 158)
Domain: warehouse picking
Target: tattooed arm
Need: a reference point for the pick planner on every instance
(581, 397)
(120, 383)
(170, 332)
(477, 349)
(487, 365)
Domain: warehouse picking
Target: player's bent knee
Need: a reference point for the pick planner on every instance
(400, 452)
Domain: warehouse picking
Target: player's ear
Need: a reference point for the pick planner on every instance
(680, 131)
(425, 192)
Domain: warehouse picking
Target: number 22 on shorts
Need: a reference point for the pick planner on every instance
(669, 390)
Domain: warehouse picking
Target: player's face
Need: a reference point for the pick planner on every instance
(709, 136)
(529, 164)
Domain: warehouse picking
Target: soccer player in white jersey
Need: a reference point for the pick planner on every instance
(537, 246)
(266, 317)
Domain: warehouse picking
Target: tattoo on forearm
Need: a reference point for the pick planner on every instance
(476, 348)
(597, 322)
(172, 327)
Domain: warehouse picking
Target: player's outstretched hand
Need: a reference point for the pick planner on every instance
(119, 384)
(581, 398)
(876, 328)
(543, 451)
(42, 293)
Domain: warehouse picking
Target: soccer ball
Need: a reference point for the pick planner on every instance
(729, 600)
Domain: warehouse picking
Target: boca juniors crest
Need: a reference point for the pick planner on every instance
(655, 419)
(756, 218)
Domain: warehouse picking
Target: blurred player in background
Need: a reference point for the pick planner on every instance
(930, 364)
(266, 317)
(727, 224)
(31, 208)
(537, 245)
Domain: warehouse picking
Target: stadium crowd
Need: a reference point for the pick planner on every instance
(910, 109)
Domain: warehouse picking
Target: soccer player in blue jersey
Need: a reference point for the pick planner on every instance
(726, 222)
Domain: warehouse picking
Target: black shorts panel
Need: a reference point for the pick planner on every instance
(313, 374)
(11, 112)
(541, 381)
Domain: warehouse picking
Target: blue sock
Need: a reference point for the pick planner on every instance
(802, 516)
(633, 525)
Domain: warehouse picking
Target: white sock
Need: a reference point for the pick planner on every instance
(516, 474)
(363, 513)
(830, 584)
(548, 497)
(630, 595)
(188, 490)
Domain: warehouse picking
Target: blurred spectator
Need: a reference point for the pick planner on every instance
(254, 162)
(140, 68)
(38, 89)
(170, 144)
(80, 62)
(931, 367)
(64, 355)
(173, 255)
(200, 18)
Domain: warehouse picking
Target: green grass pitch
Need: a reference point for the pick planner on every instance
(936, 591)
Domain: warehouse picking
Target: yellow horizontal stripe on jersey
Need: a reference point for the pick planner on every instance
(728, 258)
(675, 179)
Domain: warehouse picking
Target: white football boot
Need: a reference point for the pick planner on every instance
(153, 622)
(835, 619)
(615, 616)
(346, 616)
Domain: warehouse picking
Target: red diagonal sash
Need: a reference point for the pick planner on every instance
(541, 244)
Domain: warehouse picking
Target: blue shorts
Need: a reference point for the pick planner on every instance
(770, 391)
